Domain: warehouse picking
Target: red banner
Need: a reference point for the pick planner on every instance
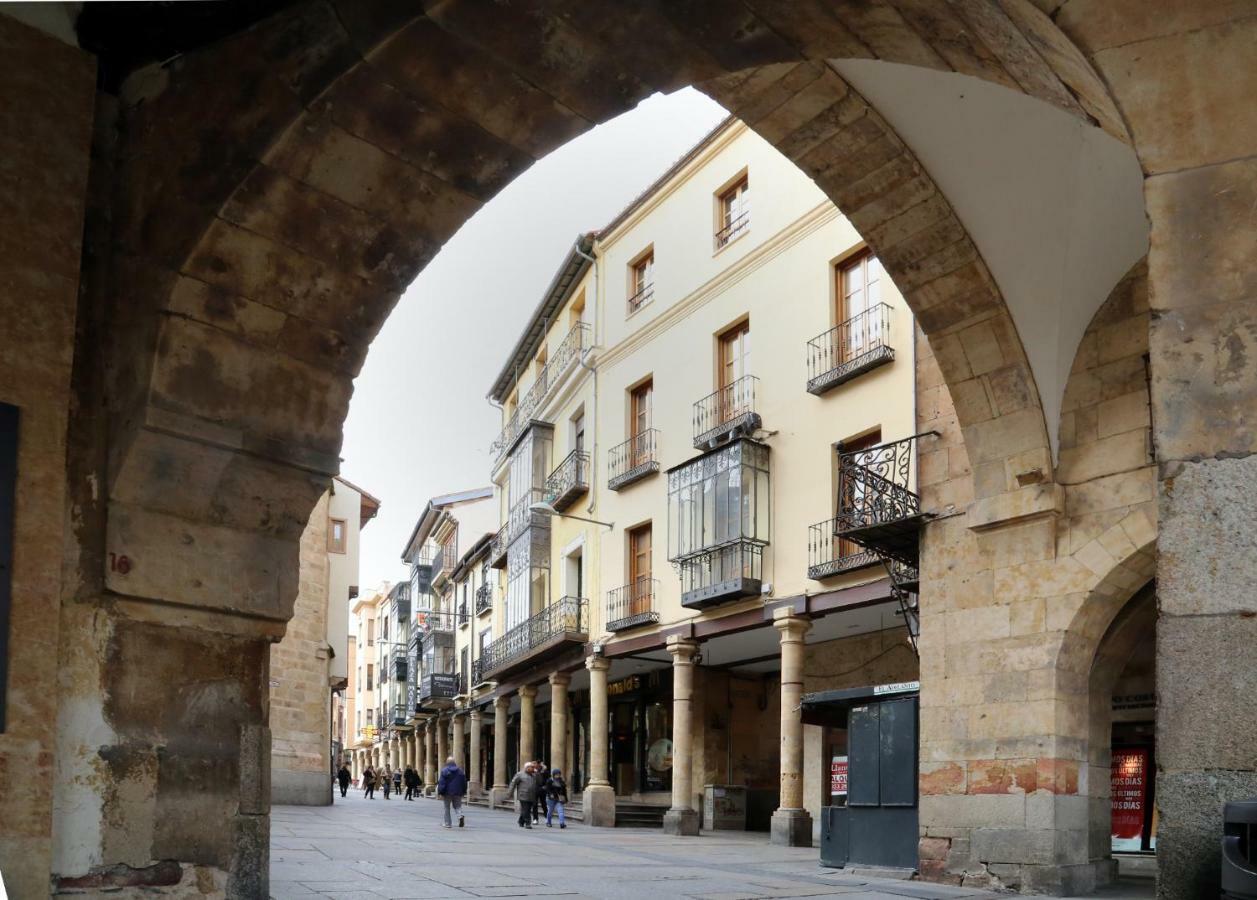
(1129, 789)
(838, 776)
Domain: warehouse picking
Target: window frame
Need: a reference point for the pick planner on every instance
(334, 545)
(734, 192)
(642, 263)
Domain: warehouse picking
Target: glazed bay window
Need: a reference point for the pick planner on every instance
(718, 523)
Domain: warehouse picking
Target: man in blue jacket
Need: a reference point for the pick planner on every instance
(451, 787)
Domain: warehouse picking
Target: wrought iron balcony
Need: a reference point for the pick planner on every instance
(633, 460)
(523, 517)
(632, 605)
(477, 673)
(437, 689)
(877, 508)
(721, 574)
(829, 555)
(444, 562)
(727, 413)
(568, 481)
(463, 616)
(484, 598)
(849, 349)
(560, 625)
(734, 228)
(641, 298)
(497, 549)
(435, 621)
(462, 683)
(573, 346)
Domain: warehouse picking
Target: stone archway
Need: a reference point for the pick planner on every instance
(244, 246)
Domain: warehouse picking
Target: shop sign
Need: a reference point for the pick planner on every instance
(1134, 701)
(1129, 793)
(624, 686)
(838, 776)
(899, 687)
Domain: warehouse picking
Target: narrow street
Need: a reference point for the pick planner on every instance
(363, 849)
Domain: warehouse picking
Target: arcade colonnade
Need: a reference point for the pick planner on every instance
(198, 253)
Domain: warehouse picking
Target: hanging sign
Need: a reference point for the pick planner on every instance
(899, 687)
(838, 776)
(1129, 793)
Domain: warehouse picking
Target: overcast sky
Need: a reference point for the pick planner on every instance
(419, 424)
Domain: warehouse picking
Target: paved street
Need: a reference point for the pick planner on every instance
(367, 849)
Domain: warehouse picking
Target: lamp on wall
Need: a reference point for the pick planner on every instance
(543, 507)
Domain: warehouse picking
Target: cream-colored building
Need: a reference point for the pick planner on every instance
(310, 666)
(666, 498)
(363, 748)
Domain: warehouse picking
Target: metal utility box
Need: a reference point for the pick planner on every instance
(1239, 850)
(724, 807)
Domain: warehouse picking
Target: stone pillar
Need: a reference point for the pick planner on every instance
(791, 824)
(442, 742)
(475, 783)
(682, 818)
(501, 709)
(599, 800)
(456, 750)
(527, 722)
(558, 721)
(429, 757)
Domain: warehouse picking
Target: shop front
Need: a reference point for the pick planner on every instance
(870, 736)
(640, 711)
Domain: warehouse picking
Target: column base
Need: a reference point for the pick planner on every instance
(791, 828)
(499, 797)
(474, 790)
(598, 806)
(683, 822)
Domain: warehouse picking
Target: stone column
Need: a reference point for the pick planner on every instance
(791, 824)
(456, 750)
(682, 818)
(501, 709)
(527, 722)
(429, 764)
(558, 721)
(475, 783)
(598, 803)
(442, 742)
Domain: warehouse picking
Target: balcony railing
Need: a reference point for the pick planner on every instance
(721, 574)
(437, 686)
(568, 481)
(463, 615)
(633, 460)
(572, 347)
(632, 605)
(497, 549)
(877, 508)
(644, 295)
(829, 555)
(484, 598)
(435, 621)
(522, 516)
(462, 683)
(735, 227)
(728, 412)
(444, 561)
(559, 623)
(849, 349)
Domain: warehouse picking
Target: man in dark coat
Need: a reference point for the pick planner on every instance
(368, 783)
(451, 787)
(343, 777)
(411, 780)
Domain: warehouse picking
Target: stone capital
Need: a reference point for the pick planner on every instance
(528, 690)
(558, 679)
(791, 627)
(683, 650)
(597, 663)
(476, 715)
(501, 704)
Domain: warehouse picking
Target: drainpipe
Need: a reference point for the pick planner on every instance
(593, 261)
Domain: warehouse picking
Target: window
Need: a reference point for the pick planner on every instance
(641, 405)
(733, 212)
(336, 536)
(359, 680)
(576, 314)
(486, 638)
(370, 717)
(370, 678)
(858, 290)
(872, 439)
(735, 353)
(641, 281)
(370, 632)
(639, 542)
(578, 432)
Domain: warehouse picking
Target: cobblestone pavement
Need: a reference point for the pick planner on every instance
(362, 849)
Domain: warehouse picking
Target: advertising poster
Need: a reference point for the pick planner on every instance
(1130, 797)
(838, 776)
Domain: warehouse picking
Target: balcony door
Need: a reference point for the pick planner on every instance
(851, 492)
(735, 363)
(639, 545)
(858, 292)
(641, 411)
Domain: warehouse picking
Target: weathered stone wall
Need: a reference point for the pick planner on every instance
(45, 139)
(300, 696)
(1017, 592)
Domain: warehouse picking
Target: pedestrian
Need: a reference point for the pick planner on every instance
(368, 783)
(343, 777)
(451, 787)
(397, 781)
(524, 787)
(540, 773)
(411, 780)
(556, 797)
(387, 778)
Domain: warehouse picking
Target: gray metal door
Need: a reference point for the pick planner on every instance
(882, 792)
